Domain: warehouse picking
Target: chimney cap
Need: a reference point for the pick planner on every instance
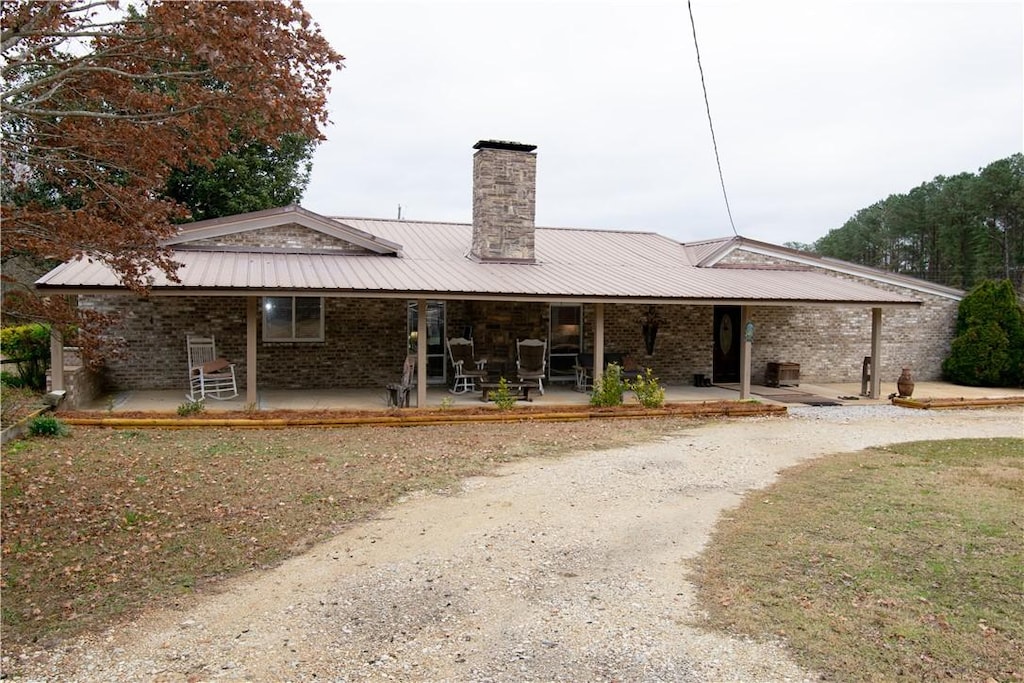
(504, 144)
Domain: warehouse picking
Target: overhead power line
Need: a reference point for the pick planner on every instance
(711, 125)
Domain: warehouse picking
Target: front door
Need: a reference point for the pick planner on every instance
(727, 345)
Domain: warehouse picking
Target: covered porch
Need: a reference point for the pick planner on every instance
(695, 342)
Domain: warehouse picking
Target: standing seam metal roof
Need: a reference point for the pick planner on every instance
(571, 263)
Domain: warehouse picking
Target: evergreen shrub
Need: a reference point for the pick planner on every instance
(988, 346)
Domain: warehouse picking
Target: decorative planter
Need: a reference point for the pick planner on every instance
(905, 384)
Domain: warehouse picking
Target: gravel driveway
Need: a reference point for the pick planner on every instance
(570, 569)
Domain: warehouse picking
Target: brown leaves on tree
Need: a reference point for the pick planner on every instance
(99, 105)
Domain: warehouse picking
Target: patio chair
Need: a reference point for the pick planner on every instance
(208, 374)
(468, 370)
(584, 372)
(398, 393)
(532, 361)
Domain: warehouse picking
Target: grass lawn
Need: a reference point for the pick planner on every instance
(104, 523)
(899, 563)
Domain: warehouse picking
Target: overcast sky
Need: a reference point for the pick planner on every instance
(819, 108)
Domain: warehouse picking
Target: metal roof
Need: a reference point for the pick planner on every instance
(432, 262)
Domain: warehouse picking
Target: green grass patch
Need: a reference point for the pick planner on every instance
(899, 563)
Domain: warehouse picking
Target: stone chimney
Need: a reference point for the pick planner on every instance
(504, 201)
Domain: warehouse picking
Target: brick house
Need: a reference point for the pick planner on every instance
(299, 300)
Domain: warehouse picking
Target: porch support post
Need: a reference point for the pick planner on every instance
(56, 359)
(252, 307)
(421, 353)
(745, 354)
(876, 352)
(598, 342)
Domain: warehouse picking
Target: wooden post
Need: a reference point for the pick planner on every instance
(421, 353)
(598, 342)
(745, 348)
(252, 307)
(876, 352)
(56, 359)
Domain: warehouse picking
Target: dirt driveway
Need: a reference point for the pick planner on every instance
(571, 569)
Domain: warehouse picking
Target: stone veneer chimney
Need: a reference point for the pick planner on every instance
(504, 201)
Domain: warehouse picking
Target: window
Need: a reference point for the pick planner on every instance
(293, 318)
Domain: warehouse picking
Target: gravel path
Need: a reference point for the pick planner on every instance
(571, 569)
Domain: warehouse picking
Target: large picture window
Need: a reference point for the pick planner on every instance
(293, 318)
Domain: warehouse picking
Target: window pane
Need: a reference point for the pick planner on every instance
(277, 317)
(307, 317)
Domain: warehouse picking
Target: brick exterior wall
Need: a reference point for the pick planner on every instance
(830, 343)
(364, 346)
(683, 346)
(504, 203)
(365, 340)
(282, 237)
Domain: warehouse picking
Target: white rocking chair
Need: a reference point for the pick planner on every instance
(208, 374)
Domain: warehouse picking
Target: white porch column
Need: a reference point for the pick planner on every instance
(876, 352)
(745, 353)
(598, 342)
(56, 359)
(252, 307)
(421, 353)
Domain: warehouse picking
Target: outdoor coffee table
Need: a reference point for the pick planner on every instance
(521, 389)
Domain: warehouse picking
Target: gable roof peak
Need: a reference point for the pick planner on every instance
(293, 214)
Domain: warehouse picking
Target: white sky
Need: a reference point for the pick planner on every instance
(820, 108)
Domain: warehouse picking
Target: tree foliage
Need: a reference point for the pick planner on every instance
(988, 346)
(101, 105)
(252, 177)
(29, 347)
(955, 231)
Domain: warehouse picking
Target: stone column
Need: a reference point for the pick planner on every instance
(504, 201)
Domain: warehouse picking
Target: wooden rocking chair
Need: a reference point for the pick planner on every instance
(468, 369)
(532, 361)
(398, 393)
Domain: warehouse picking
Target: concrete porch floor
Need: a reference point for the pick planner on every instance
(165, 401)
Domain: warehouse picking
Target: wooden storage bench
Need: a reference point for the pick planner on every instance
(779, 374)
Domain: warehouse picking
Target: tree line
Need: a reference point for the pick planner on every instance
(956, 231)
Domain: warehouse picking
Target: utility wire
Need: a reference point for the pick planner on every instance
(711, 125)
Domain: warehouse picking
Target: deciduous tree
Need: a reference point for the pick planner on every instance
(252, 177)
(100, 105)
